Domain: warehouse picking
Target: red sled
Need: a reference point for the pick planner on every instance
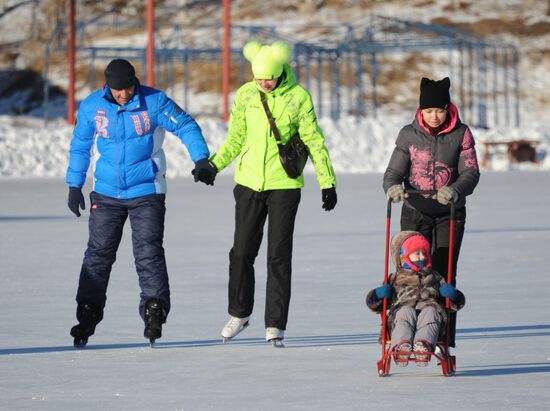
(443, 355)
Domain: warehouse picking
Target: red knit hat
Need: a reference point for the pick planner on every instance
(411, 244)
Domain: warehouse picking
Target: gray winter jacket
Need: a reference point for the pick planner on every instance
(423, 161)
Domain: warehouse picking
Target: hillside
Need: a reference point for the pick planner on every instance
(523, 23)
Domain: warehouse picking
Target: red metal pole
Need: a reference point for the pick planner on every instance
(71, 48)
(151, 43)
(386, 272)
(226, 57)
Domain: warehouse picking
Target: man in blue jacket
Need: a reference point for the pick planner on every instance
(120, 131)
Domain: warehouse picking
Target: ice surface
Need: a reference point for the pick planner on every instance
(329, 363)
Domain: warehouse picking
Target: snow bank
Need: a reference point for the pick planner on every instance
(30, 147)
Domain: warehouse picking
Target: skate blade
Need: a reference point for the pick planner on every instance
(277, 343)
(80, 343)
(227, 339)
(152, 344)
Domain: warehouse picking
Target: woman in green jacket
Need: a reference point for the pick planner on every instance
(263, 188)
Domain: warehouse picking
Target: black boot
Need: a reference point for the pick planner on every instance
(154, 318)
(88, 317)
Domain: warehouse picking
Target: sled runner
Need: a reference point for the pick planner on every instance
(442, 354)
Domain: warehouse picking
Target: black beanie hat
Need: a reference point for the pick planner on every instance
(435, 93)
(120, 74)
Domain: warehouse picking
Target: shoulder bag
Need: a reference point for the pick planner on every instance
(293, 154)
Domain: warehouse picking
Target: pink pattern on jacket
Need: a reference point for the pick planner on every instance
(423, 173)
(468, 150)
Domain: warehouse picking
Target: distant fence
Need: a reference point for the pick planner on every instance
(342, 66)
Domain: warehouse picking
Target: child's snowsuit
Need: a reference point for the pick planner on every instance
(416, 309)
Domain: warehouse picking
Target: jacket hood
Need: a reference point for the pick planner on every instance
(288, 81)
(452, 122)
(395, 247)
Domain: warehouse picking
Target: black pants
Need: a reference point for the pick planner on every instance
(436, 229)
(107, 218)
(251, 210)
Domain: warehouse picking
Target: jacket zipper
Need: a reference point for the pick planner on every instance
(116, 154)
(435, 145)
(265, 151)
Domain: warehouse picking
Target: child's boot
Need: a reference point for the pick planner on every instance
(421, 347)
(405, 349)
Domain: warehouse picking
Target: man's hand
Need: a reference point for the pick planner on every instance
(76, 199)
(205, 171)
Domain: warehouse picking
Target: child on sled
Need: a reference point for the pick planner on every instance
(416, 299)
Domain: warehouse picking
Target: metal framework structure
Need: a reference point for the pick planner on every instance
(342, 66)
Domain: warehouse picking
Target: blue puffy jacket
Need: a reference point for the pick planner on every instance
(127, 157)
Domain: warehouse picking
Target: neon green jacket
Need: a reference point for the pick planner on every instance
(250, 137)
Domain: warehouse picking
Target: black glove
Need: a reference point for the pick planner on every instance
(328, 195)
(205, 171)
(76, 199)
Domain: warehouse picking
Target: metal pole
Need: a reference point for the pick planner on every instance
(226, 57)
(319, 84)
(359, 88)
(495, 86)
(71, 49)
(151, 43)
(506, 96)
(373, 74)
(516, 85)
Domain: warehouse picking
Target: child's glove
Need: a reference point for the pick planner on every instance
(396, 193)
(445, 195)
(447, 290)
(384, 291)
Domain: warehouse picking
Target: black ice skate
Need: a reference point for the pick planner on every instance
(88, 317)
(154, 317)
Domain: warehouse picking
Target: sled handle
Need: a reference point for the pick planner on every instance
(431, 193)
(386, 270)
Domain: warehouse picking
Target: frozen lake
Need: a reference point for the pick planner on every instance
(329, 363)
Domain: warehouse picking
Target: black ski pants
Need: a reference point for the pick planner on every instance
(251, 210)
(107, 218)
(436, 229)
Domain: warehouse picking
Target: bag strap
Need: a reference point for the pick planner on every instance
(270, 119)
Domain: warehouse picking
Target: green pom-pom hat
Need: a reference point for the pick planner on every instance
(267, 60)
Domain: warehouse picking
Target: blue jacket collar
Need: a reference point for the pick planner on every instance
(134, 102)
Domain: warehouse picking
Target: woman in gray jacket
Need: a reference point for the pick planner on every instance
(434, 153)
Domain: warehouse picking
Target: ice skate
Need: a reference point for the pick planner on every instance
(419, 348)
(88, 316)
(153, 318)
(233, 327)
(402, 359)
(275, 336)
